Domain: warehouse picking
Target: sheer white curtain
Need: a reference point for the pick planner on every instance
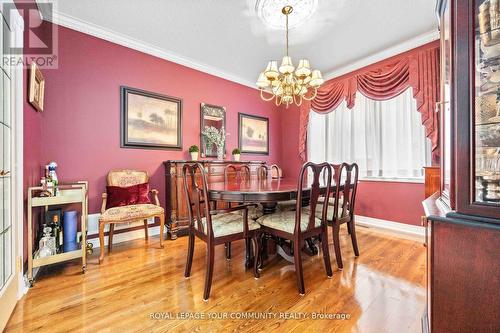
(385, 138)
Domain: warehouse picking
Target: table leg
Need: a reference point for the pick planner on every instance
(310, 248)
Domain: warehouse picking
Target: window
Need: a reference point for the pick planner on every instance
(385, 138)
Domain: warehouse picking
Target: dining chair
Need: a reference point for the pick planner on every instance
(242, 173)
(263, 172)
(342, 211)
(239, 172)
(335, 172)
(213, 226)
(276, 172)
(297, 226)
(288, 205)
(127, 199)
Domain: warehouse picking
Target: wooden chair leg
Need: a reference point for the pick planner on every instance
(298, 267)
(210, 271)
(146, 229)
(336, 245)
(189, 262)
(353, 238)
(248, 252)
(110, 236)
(101, 241)
(349, 228)
(326, 253)
(256, 259)
(227, 246)
(162, 228)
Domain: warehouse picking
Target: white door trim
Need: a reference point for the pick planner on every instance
(17, 24)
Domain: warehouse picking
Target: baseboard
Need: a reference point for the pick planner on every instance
(398, 229)
(93, 229)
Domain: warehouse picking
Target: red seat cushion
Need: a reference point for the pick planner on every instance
(124, 196)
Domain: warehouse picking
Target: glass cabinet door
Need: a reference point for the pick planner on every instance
(445, 32)
(486, 139)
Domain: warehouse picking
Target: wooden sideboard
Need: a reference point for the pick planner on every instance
(175, 201)
(432, 180)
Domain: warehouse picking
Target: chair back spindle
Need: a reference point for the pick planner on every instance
(197, 198)
(263, 172)
(348, 177)
(241, 173)
(317, 170)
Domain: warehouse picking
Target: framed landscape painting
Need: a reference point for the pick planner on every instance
(150, 120)
(253, 134)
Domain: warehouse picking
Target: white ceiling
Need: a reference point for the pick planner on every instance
(226, 38)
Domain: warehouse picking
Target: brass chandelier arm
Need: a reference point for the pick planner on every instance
(267, 99)
(313, 96)
(299, 103)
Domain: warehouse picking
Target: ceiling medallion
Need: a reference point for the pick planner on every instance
(287, 85)
(269, 11)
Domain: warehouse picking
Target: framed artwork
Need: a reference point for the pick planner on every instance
(150, 120)
(36, 88)
(253, 134)
(211, 116)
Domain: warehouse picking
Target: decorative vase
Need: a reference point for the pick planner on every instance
(236, 157)
(220, 152)
(194, 155)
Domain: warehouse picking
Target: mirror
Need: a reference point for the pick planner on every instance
(211, 116)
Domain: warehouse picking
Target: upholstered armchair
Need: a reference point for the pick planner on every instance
(128, 201)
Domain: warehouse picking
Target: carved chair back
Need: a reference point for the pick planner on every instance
(197, 197)
(125, 178)
(262, 172)
(316, 170)
(347, 176)
(276, 172)
(241, 172)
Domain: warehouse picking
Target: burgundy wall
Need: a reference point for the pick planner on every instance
(391, 201)
(81, 121)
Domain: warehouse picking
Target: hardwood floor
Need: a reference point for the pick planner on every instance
(381, 291)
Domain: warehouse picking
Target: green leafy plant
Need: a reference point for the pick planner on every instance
(194, 149)
(236, 151)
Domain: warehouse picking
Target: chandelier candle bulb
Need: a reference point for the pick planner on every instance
(286, 65)
(271, 71)
(262, 81)
(304, 69)
(316, 78)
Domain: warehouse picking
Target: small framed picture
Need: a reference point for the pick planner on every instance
(150, 120)
(36, 87)
(253, 134)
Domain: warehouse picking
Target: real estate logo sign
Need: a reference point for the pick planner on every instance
(40, 38)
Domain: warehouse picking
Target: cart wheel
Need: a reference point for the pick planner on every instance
(90, 248)
(84, 269)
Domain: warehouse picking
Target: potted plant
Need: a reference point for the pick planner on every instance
(236, 154)
(194, 151)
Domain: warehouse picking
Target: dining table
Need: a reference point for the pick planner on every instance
(268, 192)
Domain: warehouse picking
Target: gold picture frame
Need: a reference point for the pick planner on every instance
(36, 88)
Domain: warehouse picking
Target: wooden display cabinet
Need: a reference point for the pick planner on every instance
(463, 219)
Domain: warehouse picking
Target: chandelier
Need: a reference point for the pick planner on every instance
(287, 85)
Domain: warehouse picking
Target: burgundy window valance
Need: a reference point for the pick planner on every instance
(418, 69)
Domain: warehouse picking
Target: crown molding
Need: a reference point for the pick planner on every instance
(417, 41)
(132, 43)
